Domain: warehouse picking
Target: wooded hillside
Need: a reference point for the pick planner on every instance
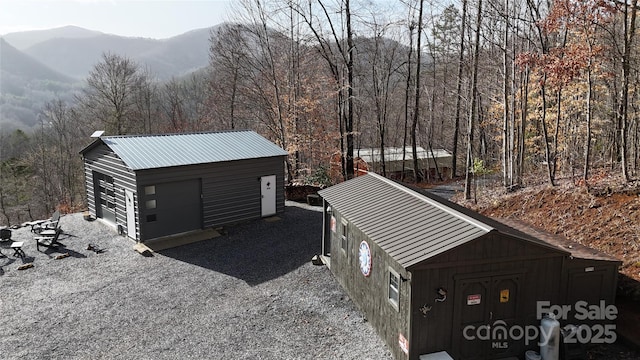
(603, 216)
(516, 87)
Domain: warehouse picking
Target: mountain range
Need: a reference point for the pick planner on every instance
(73, 51)
(41, 65)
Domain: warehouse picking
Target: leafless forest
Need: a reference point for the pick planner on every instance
(519, 88)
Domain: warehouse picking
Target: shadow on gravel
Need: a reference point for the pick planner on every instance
(259, 250)
(5, 261)
(61, 248)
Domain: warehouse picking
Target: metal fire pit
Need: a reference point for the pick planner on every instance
(5, 234)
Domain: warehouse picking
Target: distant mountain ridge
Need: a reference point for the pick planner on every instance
(74, 51)
(76, 57)
(44, 65)
(15, 63)
(26, 84)
(24, 39)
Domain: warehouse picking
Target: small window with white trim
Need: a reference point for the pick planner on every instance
(344, 236)
(394, 288)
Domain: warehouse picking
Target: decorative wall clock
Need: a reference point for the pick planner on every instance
(364, 256)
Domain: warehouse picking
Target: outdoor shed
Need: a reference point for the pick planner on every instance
(432, 163)
(432, 276)
(150, 186)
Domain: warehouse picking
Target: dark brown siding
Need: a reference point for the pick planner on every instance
(492, 246)
(538, 272)
(527, 271)
(590, 281)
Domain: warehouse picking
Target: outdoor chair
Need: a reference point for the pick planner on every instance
(48, 238)
(50, 224)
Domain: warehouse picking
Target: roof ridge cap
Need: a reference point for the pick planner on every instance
(176, 134)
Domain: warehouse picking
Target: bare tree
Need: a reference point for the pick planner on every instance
(14, 175)
(110, 95)
(228, 59)
(146, 103)
(63, 168)
(474, 102)
(337, 49)
(456, 125)
(417, 175)
(379, 79)
(629, 11)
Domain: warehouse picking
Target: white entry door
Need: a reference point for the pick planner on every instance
(131, 214)
(268, 191)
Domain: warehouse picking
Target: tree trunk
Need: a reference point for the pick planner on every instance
(524, 113)
(505, 99)
(472, 112)
(587, 143)
(456, 125)
(417, 175)
(623, 113)
(407, 96)
(545, 133)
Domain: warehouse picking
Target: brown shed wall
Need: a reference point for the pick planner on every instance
(537, 271)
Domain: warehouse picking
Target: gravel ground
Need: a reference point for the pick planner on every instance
(249, 294)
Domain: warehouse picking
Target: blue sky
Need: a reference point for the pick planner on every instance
(142, 18)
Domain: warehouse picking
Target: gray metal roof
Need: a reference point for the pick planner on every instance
(373, 155)
(409, 225)
(158, 151)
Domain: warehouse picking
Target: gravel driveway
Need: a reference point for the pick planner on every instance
(249, 294)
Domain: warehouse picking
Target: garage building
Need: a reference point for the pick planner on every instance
(151, 186)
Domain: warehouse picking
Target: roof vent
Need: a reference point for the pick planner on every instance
(97, 134)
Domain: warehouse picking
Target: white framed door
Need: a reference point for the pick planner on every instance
(131, 213)
(268, 193)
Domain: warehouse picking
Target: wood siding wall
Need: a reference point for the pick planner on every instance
(539, 270)
(590, 281)
(101, 159)
(371, 294)
(529, 272)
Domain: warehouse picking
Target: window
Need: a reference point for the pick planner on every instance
(394, 288)
(150, 204)
(344, 236)
(150, 190)
(151, 218)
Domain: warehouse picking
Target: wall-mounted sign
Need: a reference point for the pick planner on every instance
(474, 299)
(504, 296)
(364, 257)
(404, 344)
(333, 223)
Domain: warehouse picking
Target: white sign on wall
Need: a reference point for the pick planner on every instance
(474, 299)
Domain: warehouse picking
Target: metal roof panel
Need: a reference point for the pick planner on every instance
(141, 152)
(408, 225)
